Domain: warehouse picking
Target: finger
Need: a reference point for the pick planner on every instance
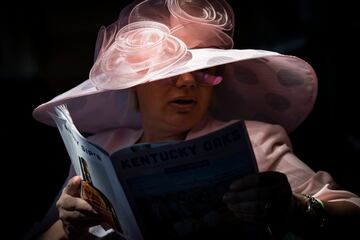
(78, 217)
(258, 179)
(76, 224)
(252, 208)
(265, 193)
(73, 187)
(250, 218)
(235, 197)
(249, 211)
(70, 203)
(245, 182)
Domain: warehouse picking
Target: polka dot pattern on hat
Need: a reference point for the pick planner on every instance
(268, 89)
(289, 79)
(277, 102)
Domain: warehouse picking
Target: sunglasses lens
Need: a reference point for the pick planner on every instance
(206, 78)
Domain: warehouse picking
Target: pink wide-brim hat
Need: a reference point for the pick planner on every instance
(183, 37)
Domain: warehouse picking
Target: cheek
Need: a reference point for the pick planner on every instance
(206, 96)
(150, 99)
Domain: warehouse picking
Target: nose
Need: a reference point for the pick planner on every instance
(185, 80)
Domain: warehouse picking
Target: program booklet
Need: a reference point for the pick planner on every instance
(163, 191)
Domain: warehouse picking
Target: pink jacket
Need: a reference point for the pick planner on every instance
(273, 152)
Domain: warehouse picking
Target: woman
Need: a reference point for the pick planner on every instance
(169, 74)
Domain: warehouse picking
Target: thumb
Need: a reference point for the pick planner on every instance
(73, 187)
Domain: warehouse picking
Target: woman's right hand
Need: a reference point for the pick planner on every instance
(76, 214)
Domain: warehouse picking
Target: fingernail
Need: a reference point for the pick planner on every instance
(95, 212)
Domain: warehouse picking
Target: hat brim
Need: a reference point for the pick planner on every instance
(258, 85)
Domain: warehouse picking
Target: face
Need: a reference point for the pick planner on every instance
(174, 104)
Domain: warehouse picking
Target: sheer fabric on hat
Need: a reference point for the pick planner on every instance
(156, 37)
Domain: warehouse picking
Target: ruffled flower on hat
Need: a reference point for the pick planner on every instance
(153, 42)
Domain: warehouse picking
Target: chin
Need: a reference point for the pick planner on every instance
(185, 123)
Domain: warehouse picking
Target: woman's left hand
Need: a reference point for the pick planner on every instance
(263, 198)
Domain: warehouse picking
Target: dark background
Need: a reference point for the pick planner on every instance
(47, 49)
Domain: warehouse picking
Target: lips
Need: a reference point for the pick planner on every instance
(183, 104)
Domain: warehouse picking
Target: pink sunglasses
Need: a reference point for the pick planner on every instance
(203, 77)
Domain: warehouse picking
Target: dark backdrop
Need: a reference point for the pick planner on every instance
(47, 49)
